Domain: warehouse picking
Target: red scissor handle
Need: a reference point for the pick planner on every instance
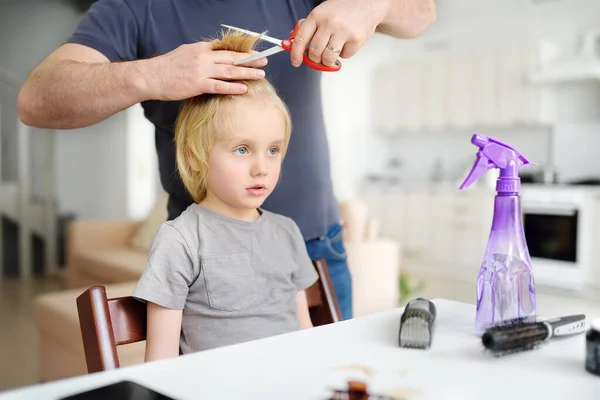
(287, 45)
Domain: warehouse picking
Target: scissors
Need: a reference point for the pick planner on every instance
(281, 45)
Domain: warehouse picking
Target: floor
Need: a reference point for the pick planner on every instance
(18, 366)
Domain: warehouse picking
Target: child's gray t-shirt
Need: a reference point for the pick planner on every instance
(235, 280)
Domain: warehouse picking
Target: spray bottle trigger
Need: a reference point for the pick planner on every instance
(482, 164)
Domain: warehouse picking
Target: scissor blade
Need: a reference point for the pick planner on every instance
(266, 53)
(251, 33)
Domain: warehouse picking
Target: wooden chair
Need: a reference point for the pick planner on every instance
(322, 301)
(108, 323)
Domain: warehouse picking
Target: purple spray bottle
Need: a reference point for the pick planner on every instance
(505, 284)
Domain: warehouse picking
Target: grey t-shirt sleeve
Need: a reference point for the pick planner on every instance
(304, 273)
(169, 272)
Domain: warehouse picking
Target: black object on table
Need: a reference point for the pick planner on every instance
(123, 390)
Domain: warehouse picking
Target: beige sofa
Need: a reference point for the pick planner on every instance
(110, 251)
(100, 252)
(113, 253)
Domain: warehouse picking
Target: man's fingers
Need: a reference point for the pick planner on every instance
(317, 45)
(350, 49)
(261, 62)
(226, 56)
(303, 37)
(229, 57)
(236, 73)
(332, 51)
(215, 86)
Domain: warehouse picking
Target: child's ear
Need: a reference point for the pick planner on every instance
(191, 160)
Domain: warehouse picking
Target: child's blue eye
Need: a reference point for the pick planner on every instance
(241, 150)
(273, 151)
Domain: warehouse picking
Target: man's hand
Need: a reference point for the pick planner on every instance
(194, 69)
(339, 28)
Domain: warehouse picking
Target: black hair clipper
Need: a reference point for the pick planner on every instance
(417, 324)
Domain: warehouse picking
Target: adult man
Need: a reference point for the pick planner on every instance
(152, 52)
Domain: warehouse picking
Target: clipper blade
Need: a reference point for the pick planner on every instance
(416, 324)
(415, 333)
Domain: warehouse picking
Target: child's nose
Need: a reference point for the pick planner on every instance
(259, 167)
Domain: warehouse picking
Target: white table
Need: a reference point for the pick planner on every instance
(306, 365)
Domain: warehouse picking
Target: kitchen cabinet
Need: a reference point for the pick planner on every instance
(433, 93)
(441, 230)
(463, 89)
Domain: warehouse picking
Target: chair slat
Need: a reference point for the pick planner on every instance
(128, 320)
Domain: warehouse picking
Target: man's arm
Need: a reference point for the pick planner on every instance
(77, 86)
(407, 19)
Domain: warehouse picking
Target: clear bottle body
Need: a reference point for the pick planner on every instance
(505, 284)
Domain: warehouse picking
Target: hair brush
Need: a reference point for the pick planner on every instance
(518, 335)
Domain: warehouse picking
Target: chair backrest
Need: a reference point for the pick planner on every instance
(107, 323)
(322, 301)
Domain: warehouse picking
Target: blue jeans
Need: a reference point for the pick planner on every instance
(331, 249)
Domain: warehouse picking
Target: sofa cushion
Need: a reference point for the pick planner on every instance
(56, 315)
(142, 239)
(111, 265)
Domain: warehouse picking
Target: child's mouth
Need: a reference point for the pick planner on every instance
(256, 190)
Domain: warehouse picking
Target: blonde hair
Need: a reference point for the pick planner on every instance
(205, 119)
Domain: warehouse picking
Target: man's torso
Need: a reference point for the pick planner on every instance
(304, 192)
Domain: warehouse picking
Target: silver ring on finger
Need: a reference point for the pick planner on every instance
(333, 49)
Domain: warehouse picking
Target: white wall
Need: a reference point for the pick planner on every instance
(347, 110)
(104, 171)
(461, 24)
(142, 180)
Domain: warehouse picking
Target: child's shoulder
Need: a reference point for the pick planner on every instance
(279, 221)
(183, 226)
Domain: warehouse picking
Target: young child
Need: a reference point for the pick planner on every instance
(225, 271)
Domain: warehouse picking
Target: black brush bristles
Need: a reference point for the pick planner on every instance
(515, 336)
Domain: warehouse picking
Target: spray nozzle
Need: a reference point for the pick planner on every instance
(495, 154)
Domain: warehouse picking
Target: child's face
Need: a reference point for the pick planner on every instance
(244, 169)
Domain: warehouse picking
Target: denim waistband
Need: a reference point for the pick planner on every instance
(332, 231)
